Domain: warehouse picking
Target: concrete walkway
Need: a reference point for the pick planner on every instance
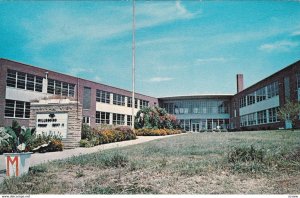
(39, 158)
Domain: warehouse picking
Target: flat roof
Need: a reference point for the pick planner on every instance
(196, 96)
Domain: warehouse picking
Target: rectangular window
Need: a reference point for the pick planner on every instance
(50, 89)
(102, 117)
(118, 99)
(86, 98)
(129, 102)
(57, 87)
(10, 108)
(118, 119)
(71, 90)
(65, 88)
(187, 125)
(242, 101)
(38, 84)
(11, 78)
(143, 103)
(251, 119)
(262, 117)
(243, 121)
(17, 109)
(30, 82)
(129, 118)
(261, 94)
(24, 81)
(102, 96)
(272, 89)
(273, 115)
(250, 99)
(21, 77)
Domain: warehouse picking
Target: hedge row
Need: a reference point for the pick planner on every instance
(156, 132)
(93, 137)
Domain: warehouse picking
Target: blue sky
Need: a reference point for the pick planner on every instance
(182, 47)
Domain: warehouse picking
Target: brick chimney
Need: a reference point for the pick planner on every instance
(239, 83)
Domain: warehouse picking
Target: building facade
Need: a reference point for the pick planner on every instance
(256, 107)
(102, 104)
(252, 108)
(199, 112)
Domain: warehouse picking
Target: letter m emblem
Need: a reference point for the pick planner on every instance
(11, 163)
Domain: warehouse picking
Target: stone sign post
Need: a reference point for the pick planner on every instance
(58, 116)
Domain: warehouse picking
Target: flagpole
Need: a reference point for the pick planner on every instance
(133, 62)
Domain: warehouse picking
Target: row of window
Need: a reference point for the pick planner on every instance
(60, 88)
(23, 80)
(261, 94)
(104, 97)
(260, 117)
(198, 124)
(17, 109)
(197, 107)
(117, 119)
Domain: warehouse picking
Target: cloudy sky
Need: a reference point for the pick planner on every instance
(182, 47)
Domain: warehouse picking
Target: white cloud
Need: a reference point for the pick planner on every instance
(78, 70)
(61, 24)
(213, 60)
(284, 45)
(296, 33)
(160, 79)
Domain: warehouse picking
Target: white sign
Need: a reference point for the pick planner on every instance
(55, 123)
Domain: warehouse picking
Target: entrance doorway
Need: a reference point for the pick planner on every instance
(196, 127)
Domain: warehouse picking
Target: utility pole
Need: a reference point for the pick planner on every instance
(133, 62)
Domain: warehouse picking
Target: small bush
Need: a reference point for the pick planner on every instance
(106, 135)
(86, 132)
(156, 132)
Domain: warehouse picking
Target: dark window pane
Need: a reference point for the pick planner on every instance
(38, 84)
(50, 89)
(21, 80)
(9, 108)
(57, 87)
(87, 98)
(11, 78)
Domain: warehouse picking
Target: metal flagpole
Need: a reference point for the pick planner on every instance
(133, 62)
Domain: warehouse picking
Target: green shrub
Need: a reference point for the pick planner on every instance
(156, 132)
(107, 135)
(86, 132)
(85, 143)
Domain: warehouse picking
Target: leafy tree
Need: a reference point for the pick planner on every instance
(155, 118)
(289, 112)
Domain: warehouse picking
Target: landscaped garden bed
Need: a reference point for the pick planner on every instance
(95, 136)
(21, 139)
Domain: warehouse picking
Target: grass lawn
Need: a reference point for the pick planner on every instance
(261, 162)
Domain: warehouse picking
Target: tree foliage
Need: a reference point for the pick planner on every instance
(289, 112)
(155, 118)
